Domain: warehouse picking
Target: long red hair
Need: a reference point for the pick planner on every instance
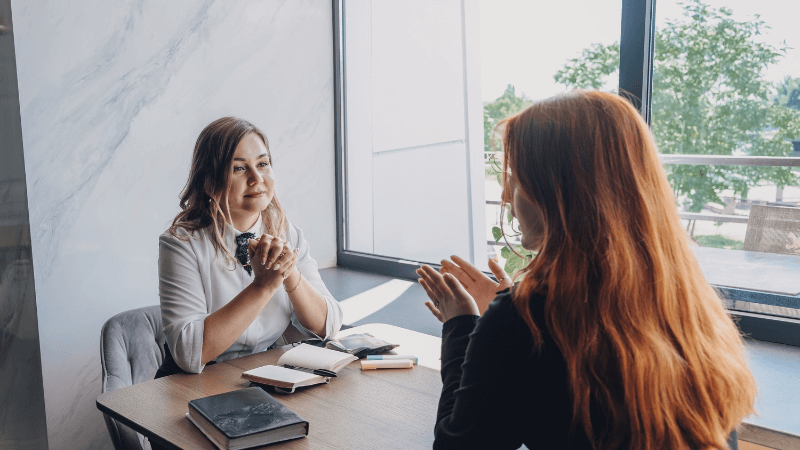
(644, 336)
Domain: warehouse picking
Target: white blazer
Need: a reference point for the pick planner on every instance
(193, 282)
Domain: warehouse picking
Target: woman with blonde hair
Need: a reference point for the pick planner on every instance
(233, 271)
(611, 338)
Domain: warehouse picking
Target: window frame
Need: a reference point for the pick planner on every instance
(368, 262)
(637, 49)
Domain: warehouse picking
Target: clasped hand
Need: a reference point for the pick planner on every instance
(459, 288)
(272, 260)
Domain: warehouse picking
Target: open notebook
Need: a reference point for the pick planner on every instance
(304, 365)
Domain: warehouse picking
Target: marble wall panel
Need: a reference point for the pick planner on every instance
(22, 410)
(112, 97)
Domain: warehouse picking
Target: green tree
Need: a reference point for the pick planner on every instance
(788, 93)
(709, 98)
(493, 112)
(590, 70)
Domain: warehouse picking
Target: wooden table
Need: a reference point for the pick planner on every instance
(381, 409)
(375, 409)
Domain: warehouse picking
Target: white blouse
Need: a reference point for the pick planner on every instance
(193, 282)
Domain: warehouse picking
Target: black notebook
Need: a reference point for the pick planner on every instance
(245, 418)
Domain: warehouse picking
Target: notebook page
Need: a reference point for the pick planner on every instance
(311, 357)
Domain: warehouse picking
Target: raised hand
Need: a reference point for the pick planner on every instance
(272, 260)
(482, 288)
(448, 297)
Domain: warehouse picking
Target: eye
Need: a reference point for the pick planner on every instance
(263, 164)
(238, 168)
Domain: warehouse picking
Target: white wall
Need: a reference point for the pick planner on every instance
(113, 95)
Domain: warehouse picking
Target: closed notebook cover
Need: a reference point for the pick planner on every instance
(283, 377)
(312, 357)
(245, 412)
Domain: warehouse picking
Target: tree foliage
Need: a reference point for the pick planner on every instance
(590, 69)
(506, 105)
(788, 93)
(709, 98)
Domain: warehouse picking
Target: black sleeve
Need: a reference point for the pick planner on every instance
(480, 406)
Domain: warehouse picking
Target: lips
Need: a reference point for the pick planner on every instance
(255, 195)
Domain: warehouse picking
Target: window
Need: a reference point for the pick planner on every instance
(726, 82)
(411, 133)
(420, 86)
(528, 51)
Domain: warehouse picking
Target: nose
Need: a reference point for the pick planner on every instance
(255, 178)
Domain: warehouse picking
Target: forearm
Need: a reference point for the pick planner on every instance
(309, 305)
(455, 339)
(222, 327)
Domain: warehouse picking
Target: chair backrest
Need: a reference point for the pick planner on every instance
(130, 352)
(773, 229)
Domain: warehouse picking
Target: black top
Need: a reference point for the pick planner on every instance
(499, 391)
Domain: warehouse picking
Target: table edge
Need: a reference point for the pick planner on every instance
(132, 425)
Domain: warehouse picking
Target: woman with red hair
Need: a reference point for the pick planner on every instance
(610, 338)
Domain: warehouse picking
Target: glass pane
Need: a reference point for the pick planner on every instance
(726, 81)
(425, 83)
(410, 117)
(529, 51)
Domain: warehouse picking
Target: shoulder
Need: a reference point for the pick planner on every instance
(500, 314)
(503, 307)
(181, 237)
(294, 235)
(503, 320)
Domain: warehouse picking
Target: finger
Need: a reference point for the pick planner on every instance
(252, 244)
(427, 283)
(436, 283)
(456, 271)
(284, 260)
(433, 277)
(428, 290)
(468, 268)
(424, 275)
(435, 311)
(274, 252)
(456, 287)
(498, 271)
(263, 246)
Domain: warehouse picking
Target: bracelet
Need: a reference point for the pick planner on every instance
(298, 283)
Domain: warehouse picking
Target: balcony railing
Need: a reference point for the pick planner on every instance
(717, 160)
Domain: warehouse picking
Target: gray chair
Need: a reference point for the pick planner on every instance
(131, 350)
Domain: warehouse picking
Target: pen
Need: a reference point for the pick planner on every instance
(320, 372)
